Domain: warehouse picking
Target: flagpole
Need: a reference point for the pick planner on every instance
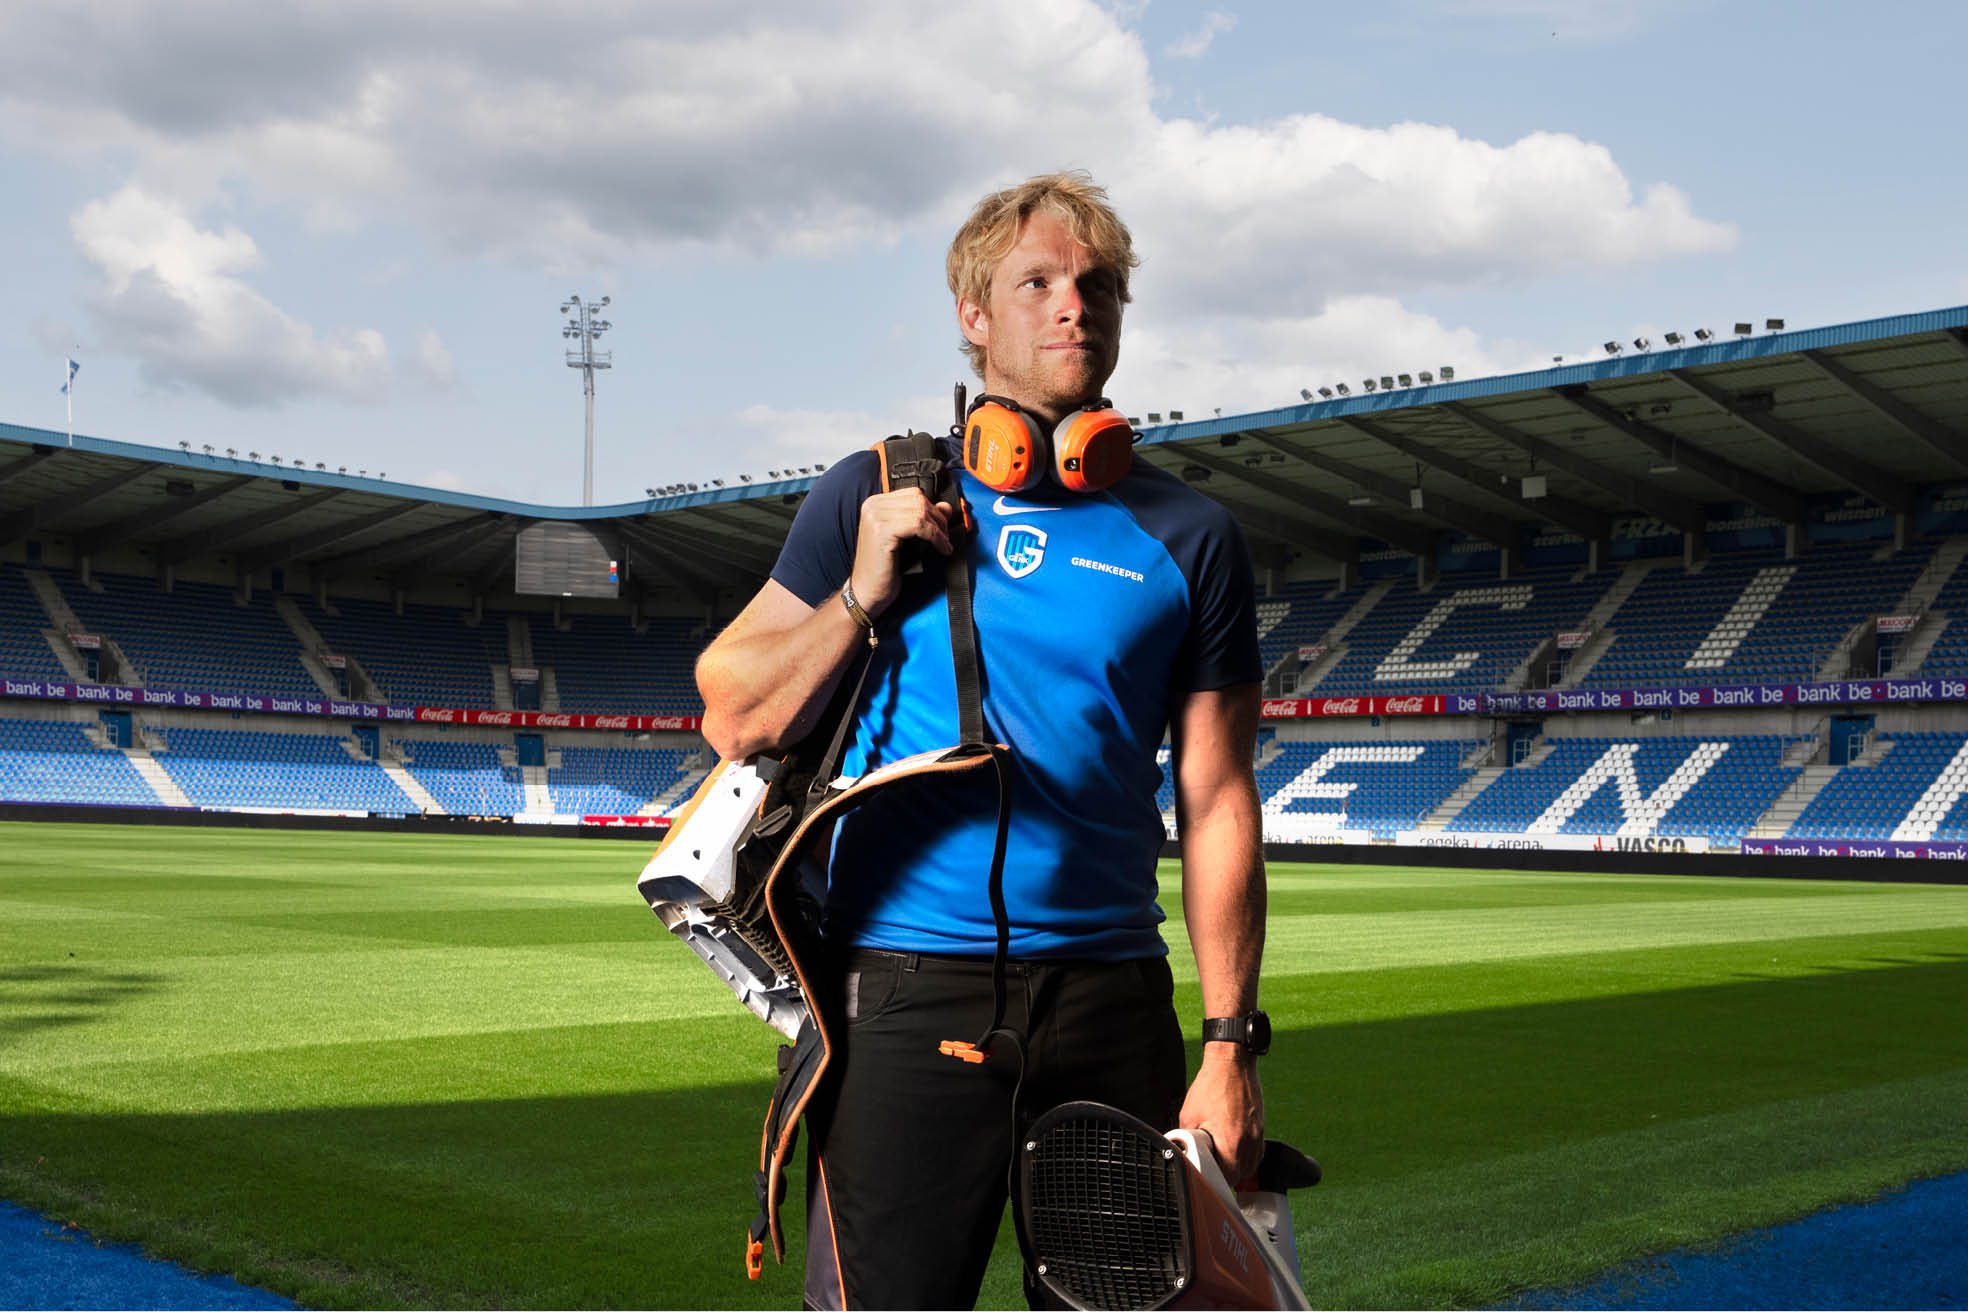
(70, 369)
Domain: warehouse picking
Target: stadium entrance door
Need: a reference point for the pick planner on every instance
(369, 738)
(116, 724)
(532, 748)
(1848, 736)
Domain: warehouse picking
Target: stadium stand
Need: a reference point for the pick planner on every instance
(195, 636)
(1912, 792)
(51, 761)
(1753, 616)
(24, 653)
(426, 656)
(601, 664)
(1311, 789)
(613, 780)
(1715, 786)
(293, 771)
(1949, 654)
(1299, 615)
(465, 778)
(1460, 634)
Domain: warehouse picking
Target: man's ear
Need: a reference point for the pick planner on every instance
(976, 325)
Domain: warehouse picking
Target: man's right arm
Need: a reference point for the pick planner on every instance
(769, 675)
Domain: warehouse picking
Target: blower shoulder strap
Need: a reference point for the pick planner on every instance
(906, 460)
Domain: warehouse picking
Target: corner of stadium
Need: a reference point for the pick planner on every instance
(305, 988)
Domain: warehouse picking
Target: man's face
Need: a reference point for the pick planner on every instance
(1051, 331)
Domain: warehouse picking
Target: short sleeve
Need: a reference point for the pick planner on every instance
(819, 549)
(1223, 616)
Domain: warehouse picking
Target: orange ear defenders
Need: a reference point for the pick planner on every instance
(1008, 450)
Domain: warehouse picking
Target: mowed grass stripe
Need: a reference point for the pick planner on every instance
(473, 1070)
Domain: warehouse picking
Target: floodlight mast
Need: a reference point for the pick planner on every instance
(585, 325)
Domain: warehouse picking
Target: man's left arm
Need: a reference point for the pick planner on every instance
(1214, 738)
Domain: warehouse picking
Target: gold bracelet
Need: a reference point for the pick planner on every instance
(861, 616)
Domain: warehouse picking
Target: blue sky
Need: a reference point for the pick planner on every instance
(341, 232)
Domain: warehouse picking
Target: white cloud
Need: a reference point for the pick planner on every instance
(769, 129)
(173, 295)
(1240, 365)
(778, 129)
(1194, 44)
(1276, 218)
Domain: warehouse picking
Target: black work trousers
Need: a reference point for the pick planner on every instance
(909, 1149)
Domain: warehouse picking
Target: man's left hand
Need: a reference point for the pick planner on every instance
(1225, 1100)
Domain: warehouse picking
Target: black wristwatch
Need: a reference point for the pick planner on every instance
(1251, 1031)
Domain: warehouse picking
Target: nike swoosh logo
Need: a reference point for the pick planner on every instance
(1003, 507)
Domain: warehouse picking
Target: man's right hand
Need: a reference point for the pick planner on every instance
(888, 520)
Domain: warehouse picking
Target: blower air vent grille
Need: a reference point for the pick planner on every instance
(1104, 1209)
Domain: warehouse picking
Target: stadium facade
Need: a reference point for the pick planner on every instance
(1705, 597)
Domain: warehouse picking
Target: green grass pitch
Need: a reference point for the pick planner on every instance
(472, 1070)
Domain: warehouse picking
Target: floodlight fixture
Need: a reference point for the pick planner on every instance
(1342, 389)
(184, 446)
(1534, 487)
(649, 491)
(1306, 392)
(1703, 334)
(584, 328)
(819, 468)
(1360, 500)
(1745, 329)
(1154, 416)
(1414, 498)
(1643, 343)
(253, 456)
(744, 478)
(1448, 373)
(1407, 380)
(1672, 339)
(1229, 439)
(1369, 384)
(232, 453)
(1386, 382)
(341, 469)
(1612, 348)
(1325, 393)
(1175, 416)
(1774, 325)
(1427, 377)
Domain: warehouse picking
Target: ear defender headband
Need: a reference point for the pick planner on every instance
(1008, 450)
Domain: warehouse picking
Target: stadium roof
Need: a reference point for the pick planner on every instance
(1871, 409)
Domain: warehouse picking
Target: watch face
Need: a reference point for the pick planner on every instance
(1258, 1039)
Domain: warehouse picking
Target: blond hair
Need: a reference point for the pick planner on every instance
(992, 229)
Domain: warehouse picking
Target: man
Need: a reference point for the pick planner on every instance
(1104, 620)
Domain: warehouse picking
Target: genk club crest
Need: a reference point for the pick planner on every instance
(1020, 549)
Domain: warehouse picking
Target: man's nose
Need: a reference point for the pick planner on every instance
(1068, 305)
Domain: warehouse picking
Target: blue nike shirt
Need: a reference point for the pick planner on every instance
(1096, 614)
